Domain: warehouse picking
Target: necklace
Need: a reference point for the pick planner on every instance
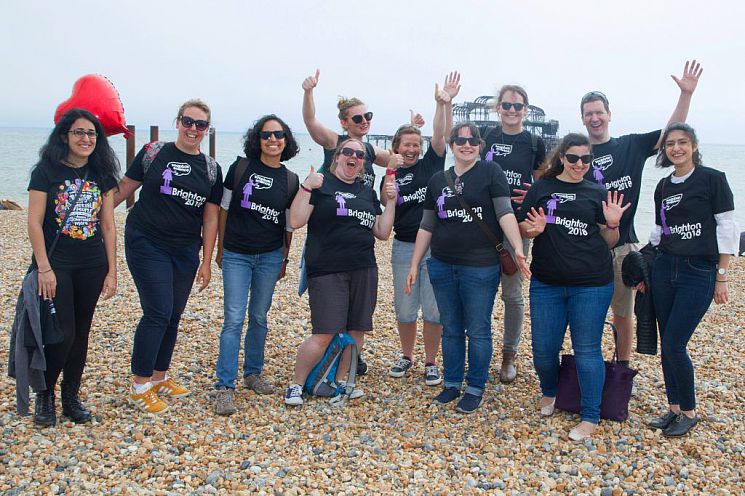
(74, 168)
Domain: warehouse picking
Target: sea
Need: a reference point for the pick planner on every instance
(19, 150)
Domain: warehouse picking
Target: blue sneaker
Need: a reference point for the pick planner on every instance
(446, 396)
(469, 403)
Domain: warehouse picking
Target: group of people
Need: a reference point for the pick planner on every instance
(458, 234)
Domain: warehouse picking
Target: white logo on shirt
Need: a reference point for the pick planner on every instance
(501, 149)
(602, 163)
(403, 181)
(345, 194)
(179, 168)
(672, 201)
(261, 182)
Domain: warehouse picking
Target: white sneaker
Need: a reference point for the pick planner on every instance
(356, 392)
(294, 395)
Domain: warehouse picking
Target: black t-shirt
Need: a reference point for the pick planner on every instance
(328, 157)
(340, 237)
(570, 251)
(514, 154)
(689, 228)
(411, 186)
(81, 242)
(256, 217)
(618, 166)
(456, 237)
(171, 203)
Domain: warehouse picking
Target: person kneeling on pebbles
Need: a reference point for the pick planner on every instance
(344, 218)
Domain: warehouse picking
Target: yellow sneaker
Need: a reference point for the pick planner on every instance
(169, 387)
(148, 401)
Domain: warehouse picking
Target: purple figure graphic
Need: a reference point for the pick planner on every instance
(489, 155)
(399, 198)
(597, 173)
(167, 177)
(665, 228)
(341, 211)
(441, 206)
(551, 207)
(247, 190)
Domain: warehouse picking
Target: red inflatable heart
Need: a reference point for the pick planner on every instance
(98, 96)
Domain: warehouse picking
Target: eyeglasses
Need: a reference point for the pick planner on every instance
(572, 158)
(348, 152)
(80, 132)
(265, 135)
(594, 95)
(508, 105)
(460, 141)
(187, 122)
(357, 119)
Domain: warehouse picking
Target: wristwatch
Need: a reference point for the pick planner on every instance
(722, 271)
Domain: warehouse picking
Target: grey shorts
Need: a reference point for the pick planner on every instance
(344, 301)
(623, 296)
(422, 296)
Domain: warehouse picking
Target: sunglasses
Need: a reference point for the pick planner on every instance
(265, 135)
(572, 158)
(80, 132)
(187, 122)
(357, 119)
(593, 96)
(348, 152)
(460, 141)
(508, 105)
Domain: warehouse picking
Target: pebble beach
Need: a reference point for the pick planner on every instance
(393, 440)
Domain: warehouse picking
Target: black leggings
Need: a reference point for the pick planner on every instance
(77, 293)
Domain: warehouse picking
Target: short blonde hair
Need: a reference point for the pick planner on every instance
(197, 103)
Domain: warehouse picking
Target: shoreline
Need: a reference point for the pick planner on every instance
(391, 440)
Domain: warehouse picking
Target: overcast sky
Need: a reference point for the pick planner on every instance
(247, 58)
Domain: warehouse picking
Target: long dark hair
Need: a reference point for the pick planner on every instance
(252, 139)
(102, 161)
(553, 164)
(662, 160)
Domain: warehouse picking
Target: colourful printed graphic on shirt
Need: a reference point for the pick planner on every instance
(82, 222)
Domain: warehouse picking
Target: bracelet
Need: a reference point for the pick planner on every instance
(285, 260)
(306, 189)
(722, 280)
(390, 172)
(611, 228)
(45, 271)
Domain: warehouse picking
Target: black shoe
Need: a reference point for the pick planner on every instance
(44, 411)
(361, 366)
(663, 421)
(71, 406)
(680, 426)
(469, 403)
(446, 396)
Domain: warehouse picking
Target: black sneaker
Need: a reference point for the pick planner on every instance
(680, 426)
(469, 403)
(361, 366)
(400, 368)
(432, 375)
(446, 396)
(663, 421)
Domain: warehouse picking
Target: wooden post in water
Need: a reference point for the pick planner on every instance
(130, 158)
(153, 133)
(213, 144)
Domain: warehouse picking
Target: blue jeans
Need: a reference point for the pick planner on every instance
(242, 273)
(584, 308)
(682, 290)
(465, 298)
(164, 277)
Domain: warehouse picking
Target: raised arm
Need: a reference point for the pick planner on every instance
(452, 88)
(439, 123)
(301, 208)
(320, 133)
(384, 222)
(687, 84)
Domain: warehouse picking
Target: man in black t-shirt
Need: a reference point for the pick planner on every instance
(618, 165)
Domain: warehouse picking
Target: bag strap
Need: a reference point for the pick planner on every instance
(489, 234)
(615, 341)
(68, 211)
(240, 170)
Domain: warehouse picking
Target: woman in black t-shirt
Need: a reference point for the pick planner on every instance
(70, 193)
(344, 218)
(697, 235)
(176, 214)
(574, 223)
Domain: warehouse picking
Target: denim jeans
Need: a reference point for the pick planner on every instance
(584, 308)
(465, 298)
(164, 278)
(682, 290)
(242, 273)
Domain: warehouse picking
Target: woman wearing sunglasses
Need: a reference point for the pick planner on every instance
(520, 154)
(466, 207)
(253, 246)
(71, 217)
(344, 218)
(696, 234)
(574, 223)
(175, 215)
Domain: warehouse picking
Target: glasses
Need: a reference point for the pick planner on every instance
(265, 135)
(348, 152)
(594, 95)
(572, 158)
(460, 141)
(80, 132)
(508, 105)
(357, 119)
(187, 122)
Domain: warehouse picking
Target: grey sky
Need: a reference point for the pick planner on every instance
(249, 58)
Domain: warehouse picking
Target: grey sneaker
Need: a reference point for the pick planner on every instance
(432, 375)
(356, 392)
(224, 404)
(400, 368)
(258, 384)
